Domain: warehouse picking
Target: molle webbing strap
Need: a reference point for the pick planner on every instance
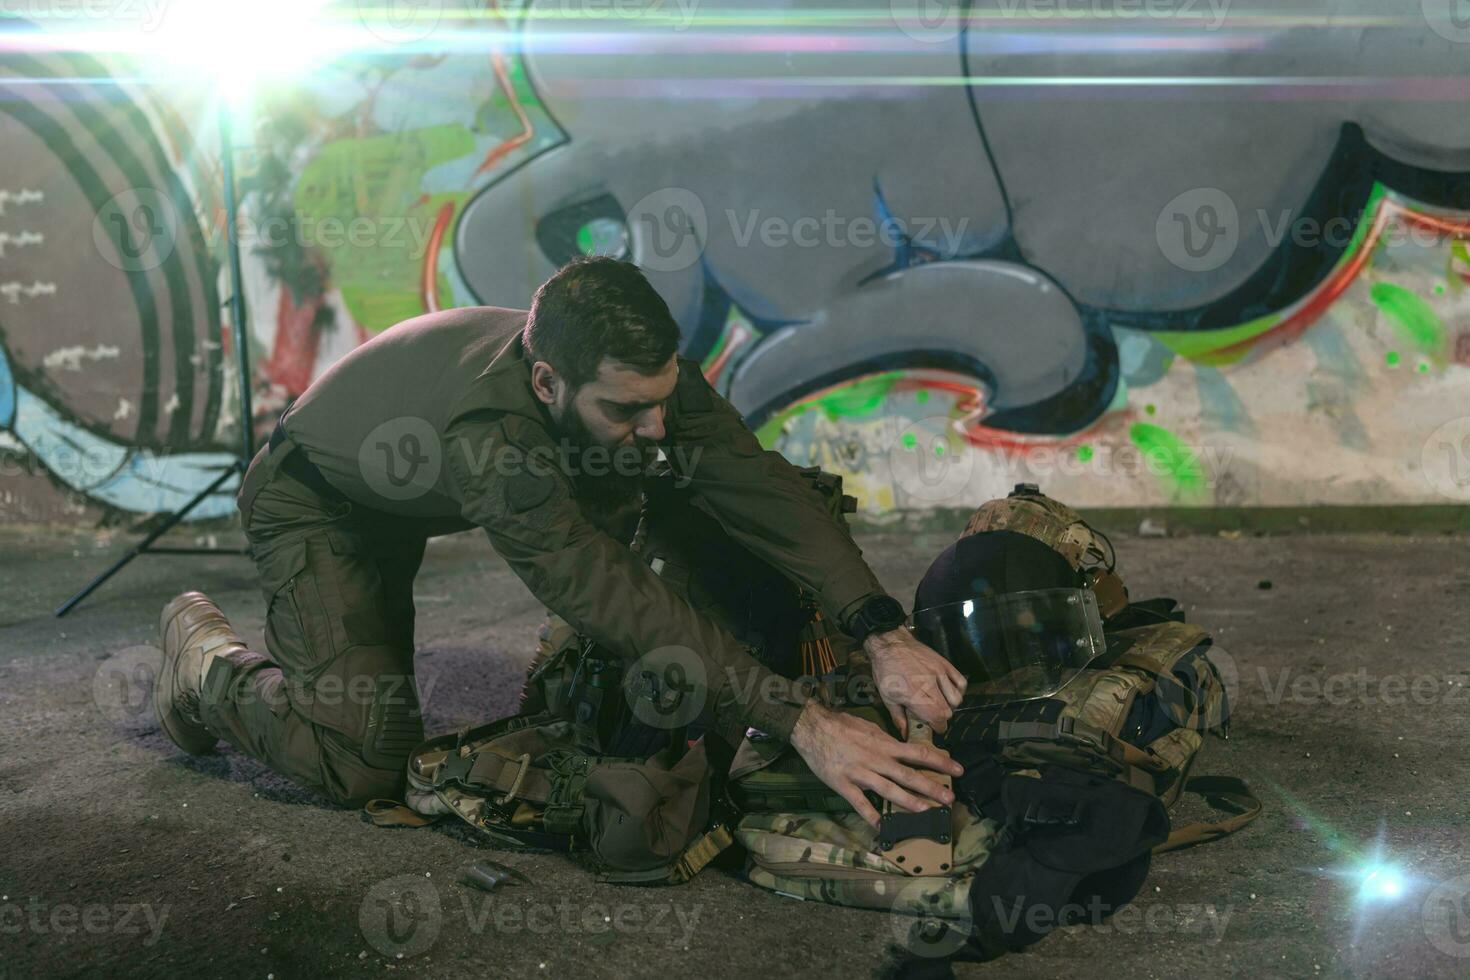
(492, 774)
(1224, 793)
(694, 859)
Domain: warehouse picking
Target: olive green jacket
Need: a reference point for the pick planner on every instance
(462, 376)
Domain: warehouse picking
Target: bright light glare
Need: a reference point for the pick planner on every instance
(240, 44)
(1381, 883)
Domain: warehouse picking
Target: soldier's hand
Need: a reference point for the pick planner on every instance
(852, 754)
(911, 675)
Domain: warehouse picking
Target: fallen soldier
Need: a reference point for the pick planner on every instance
(540, 427)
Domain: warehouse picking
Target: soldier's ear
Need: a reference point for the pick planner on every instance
(545, 383)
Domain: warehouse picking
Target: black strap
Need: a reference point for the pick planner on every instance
(301, 469)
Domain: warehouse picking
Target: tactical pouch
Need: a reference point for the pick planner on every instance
(524, 784)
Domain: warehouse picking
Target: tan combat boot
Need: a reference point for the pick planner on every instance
(193, 631)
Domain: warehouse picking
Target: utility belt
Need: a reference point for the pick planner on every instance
(298, 467)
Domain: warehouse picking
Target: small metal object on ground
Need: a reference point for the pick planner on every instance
(488, 875)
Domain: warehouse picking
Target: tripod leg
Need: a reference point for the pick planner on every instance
(153, 536)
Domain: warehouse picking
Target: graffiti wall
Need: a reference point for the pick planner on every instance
(1191, 256)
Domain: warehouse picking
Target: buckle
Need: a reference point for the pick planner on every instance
(515, 787)
(453, 769)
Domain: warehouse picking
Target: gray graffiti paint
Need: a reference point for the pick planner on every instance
(1094, 137)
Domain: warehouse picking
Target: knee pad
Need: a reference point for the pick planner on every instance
(395, 724)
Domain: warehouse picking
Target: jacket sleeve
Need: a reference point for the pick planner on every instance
(509, 484)
(761, 500)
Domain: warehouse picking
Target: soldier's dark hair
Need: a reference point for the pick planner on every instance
(596, 307)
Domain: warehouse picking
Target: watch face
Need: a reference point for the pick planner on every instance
(884, 612)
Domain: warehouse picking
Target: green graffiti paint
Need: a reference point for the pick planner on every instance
(603, 236)
(861, 397)
(1423, 367)
(1150, 409)
(1228, 345)
(1084, 453)
(852, 400)
(1168, 456)
(921, 396)
(1391, 358)
(1413, 319)
(363, 201)
(909, 440)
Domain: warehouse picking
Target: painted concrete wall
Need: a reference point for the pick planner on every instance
(1197, 256)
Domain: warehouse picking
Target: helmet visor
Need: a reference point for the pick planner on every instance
(1016, 645)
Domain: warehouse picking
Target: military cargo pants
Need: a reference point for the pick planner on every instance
(332, 704)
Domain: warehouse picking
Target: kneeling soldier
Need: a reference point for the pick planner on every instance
(508, 420)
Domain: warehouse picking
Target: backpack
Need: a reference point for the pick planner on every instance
(524, 783)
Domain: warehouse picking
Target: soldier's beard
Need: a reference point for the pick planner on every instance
(609, 480)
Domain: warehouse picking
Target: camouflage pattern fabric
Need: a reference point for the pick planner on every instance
(831, 858)
(1054, 524)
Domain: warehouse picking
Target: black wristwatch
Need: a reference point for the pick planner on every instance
(878, 615)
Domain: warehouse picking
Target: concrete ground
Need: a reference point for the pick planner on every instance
(121, 856)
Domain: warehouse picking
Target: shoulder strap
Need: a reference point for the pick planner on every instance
(1223, 793)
